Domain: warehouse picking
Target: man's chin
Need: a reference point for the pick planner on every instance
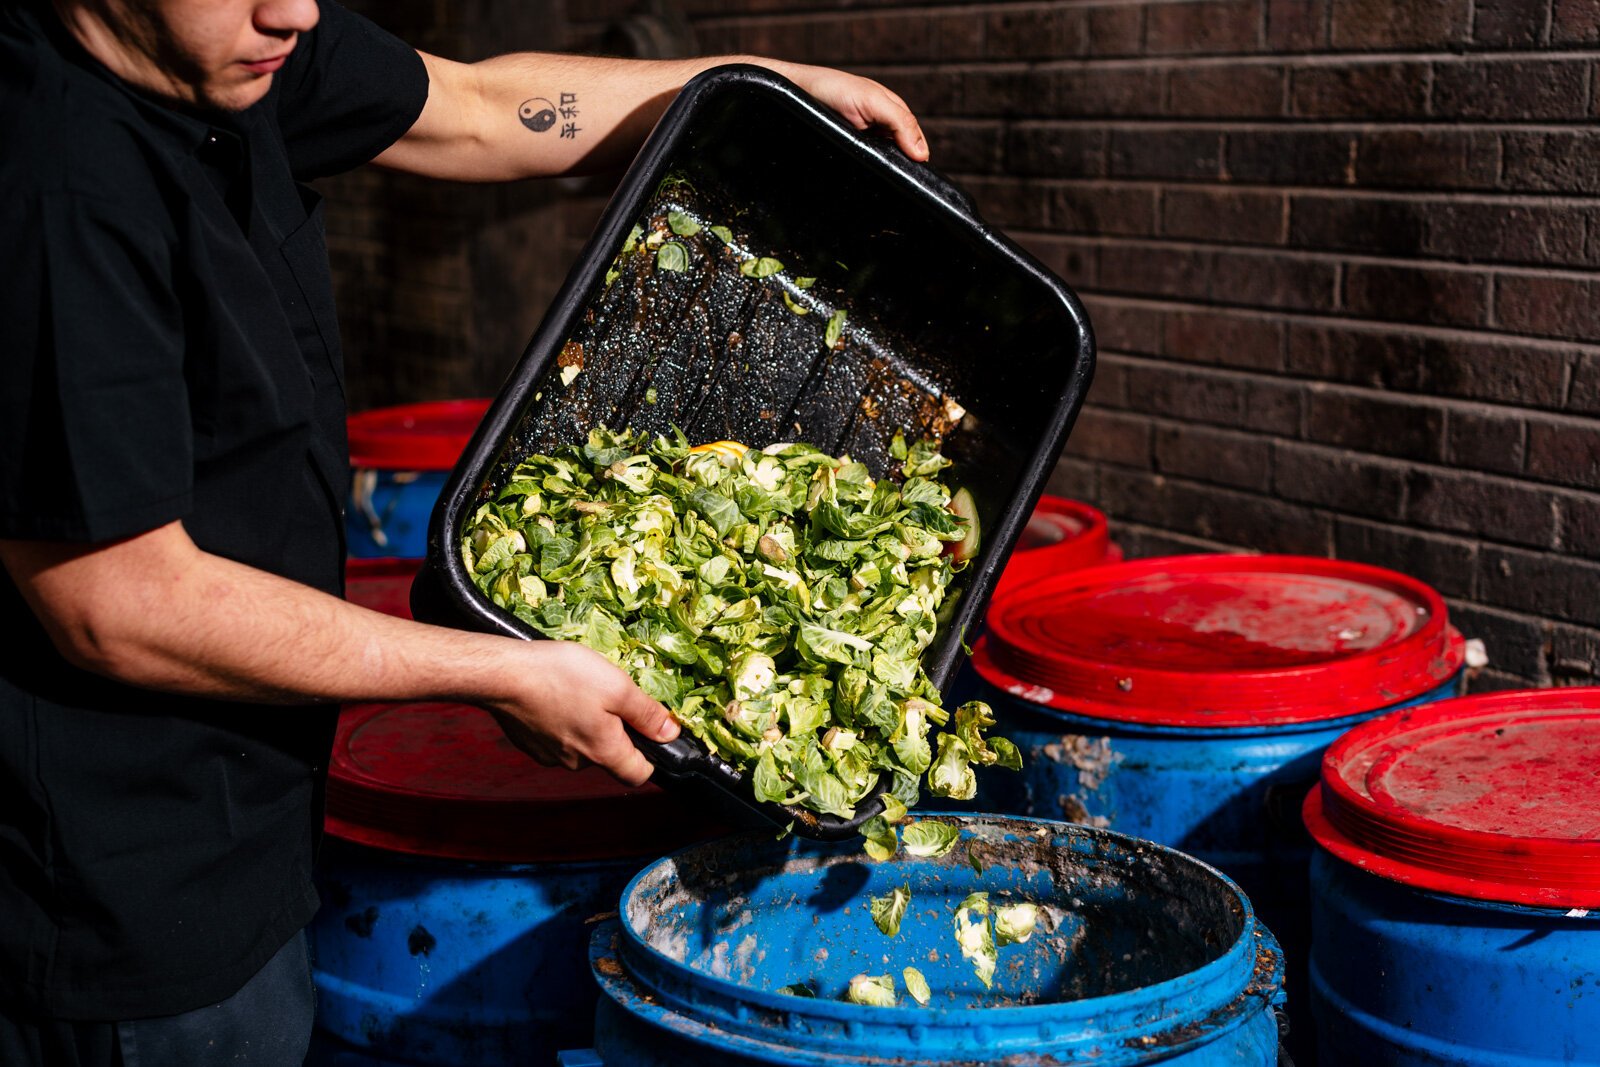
(232, 99)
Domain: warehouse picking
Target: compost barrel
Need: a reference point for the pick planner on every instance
(457, 885)
(1188, 700)
(1061, 535)
(1460, 850)
(1141, 955)
(399, 457)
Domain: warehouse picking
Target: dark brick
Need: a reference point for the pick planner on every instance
(1224, 398)
(1585, 394)
(1222, 457)
(1575, 22)
(1565, 451)
(1574, 655)
(1147, 270)
(965, 146)
(1385, 24)
(1254, 522)
(1580, 526)
(1449, 564)
(1490, 680)
(1116, 31)
(1203, 27)
(1342, 480)
(1056, 151)
(1558, 160)
(1001, 92)
(1008, 202)
(1484, 230)
(1102, 209)
(1541, 582)
(1143, 152)
(1487, 439)
(1220, 339)
(1429, 159)
(1251, 90)
(1369, 422)
(1075, 479)
(1290, 157)
(1111, 437)
(1480, 505)
(1130, 91)
(1266, 280)
(1509, 372)
(1235, 216)
(1356, 224)
(1110, 388)
(1516, 643)
(1124, 327)
(1380, 359)
(1511, 89)
(1366, 90)
(1078, 264)
(1036, 32)
(1144, 542)
(1509, 23)
(1297, 25)
(1548, 305)
(1417, 294)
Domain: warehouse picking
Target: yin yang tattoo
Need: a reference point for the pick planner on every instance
(537, 113)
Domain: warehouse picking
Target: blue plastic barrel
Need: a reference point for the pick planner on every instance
(1188, 700)
(1456, 892)
(399, 459)
(1142, 955)
(459, 883)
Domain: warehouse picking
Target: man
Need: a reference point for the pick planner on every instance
(171, 474)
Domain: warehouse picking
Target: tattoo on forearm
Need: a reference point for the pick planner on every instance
(539, 114)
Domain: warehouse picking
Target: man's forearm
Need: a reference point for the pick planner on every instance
(537, 114)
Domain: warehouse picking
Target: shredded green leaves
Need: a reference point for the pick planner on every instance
(777, 600)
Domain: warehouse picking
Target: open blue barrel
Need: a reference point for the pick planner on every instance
(1141, 955)
(399, 457)
(458, 881)
(1188, 700)
(1456, 892)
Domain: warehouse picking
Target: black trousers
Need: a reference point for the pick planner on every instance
(265, 1024)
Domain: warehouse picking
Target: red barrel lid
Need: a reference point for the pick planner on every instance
(381, 584)
(414, 437)
(1220, 640)
(1061, 535)
(435, 779)
(1489, 797)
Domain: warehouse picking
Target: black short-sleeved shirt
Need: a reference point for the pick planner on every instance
(168, 351)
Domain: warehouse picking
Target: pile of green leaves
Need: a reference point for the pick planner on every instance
(778, 602)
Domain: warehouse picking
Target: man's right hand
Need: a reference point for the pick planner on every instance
(569, 708)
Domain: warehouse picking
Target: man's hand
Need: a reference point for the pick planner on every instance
(862, 102)
(571, 709)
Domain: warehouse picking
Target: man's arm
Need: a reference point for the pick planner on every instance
(533, 114)
(156, 611)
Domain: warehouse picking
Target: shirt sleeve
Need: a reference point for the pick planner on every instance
(95, 431)
(348, 91)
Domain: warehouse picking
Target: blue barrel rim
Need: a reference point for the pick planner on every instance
(1220, 994)
(1092, 724)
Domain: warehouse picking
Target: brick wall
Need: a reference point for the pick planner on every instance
(1340, 256)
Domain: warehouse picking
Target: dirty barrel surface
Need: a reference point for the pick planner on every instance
(1140, 955)
(1188, 700)
(458, 884)
(1460, 850)
(399, 458)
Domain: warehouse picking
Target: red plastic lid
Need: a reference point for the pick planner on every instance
(1220, 641)
(433, 779)
(381, 584)
(1061, 535)
(414, 437)
(1489, 797)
